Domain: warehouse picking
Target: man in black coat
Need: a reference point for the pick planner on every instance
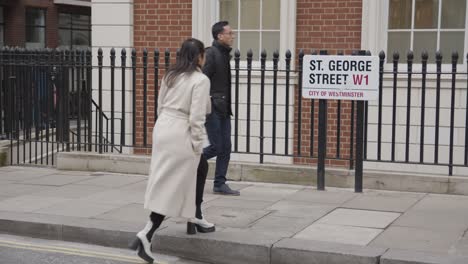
(218, 124)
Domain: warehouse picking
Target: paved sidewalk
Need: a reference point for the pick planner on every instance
(268, 223)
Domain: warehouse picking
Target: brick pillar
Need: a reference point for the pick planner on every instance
(333, 26)
(157, 24)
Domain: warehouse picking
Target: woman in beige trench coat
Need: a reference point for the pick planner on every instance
(178, 139)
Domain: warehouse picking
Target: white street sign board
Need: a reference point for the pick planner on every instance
(340, 77)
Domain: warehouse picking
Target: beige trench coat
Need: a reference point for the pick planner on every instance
(178, 140)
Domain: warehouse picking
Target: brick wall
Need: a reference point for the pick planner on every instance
(333, 25)
(157, 24)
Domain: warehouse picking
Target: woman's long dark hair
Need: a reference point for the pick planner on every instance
(187, 62)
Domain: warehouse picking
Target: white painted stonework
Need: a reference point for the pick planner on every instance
(113, 29)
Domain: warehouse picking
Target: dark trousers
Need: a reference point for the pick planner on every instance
(219, 134)
(202, 172)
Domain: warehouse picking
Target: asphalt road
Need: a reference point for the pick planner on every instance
(23, 250)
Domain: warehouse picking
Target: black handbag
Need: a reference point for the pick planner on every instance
(219, 103)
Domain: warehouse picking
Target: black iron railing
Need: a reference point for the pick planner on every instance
(53, 100)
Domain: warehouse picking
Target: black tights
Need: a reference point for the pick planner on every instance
(202, 172)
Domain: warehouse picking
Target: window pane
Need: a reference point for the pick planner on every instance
(235, 43)
(1, 35)
(228, 11)
(64, 37)
(250, 14)
(270, 42)
(249, 40)
(450, 42)
(453, 13)
(426, 15)
(425, 41)
(81, 22)
(36, 35)
(271, 14)
(398, 41)
(399, 16)
(81, 38)
(35, 17)
(64, 20)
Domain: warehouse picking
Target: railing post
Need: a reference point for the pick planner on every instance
(99, 108)
(112, 61)
(437, 117)
(123, 56)
(275, 84)
(424, 57)
(236, 109)
(322, 139)
(145, 96)
(299, 104)
(396, 57)
(89, 105)
(249, 89)
(359, 143)
(262, 102)
(134, 115)
(379, 126)
(286, 103)
(156, 82)
(452, 110)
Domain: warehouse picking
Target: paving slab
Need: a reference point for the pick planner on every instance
(280, 226)
(322, 197)
(384, 201)
(359, 218)
(233, 217)
(112, 180)
(116, 196)
(443, 204)
(433, 220)
(411, 238)
(71, 191)
(289, 208)
(263, 193)
(339, 234)
(25, 174)
(56, 180)
(236, 203)
(29, 203)
(16, 189)
(77, 209)
(461, 246)
(128, 213)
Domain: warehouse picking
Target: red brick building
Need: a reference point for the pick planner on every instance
(45, 23)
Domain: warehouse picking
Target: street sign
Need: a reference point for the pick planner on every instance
(340, 77)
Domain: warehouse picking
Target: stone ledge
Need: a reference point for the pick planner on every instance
(294, 250)
(276, 173)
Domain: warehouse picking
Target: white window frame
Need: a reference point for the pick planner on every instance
(205, 13)
(374, 35)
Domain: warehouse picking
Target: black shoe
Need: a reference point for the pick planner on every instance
(225, 190)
